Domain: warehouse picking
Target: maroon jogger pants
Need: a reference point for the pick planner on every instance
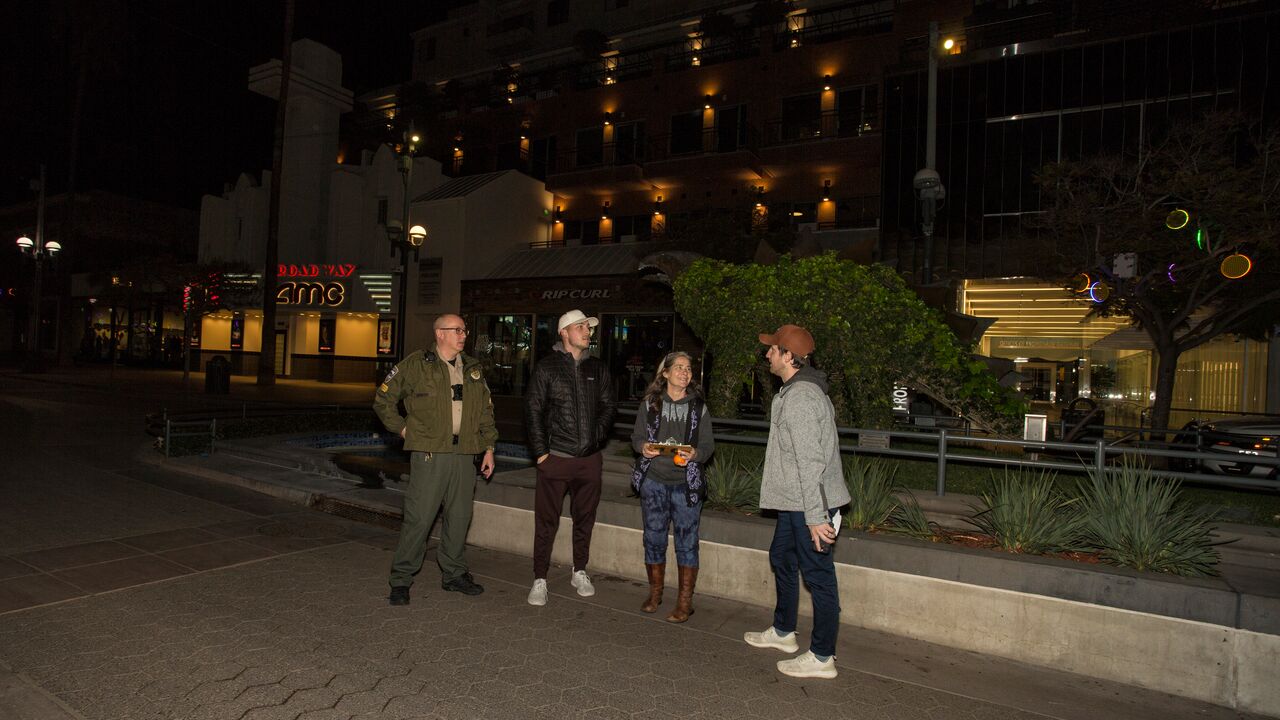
(580, 477)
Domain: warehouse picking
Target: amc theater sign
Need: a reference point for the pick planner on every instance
(330, 294)
(312, 287)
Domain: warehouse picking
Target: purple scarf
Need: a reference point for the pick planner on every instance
(693, 470)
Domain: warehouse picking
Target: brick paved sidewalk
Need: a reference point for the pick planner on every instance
(309, 635)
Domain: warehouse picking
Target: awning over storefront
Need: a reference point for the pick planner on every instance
(582, 261)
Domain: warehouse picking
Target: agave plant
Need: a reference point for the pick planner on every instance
(1025, 512)
(1135, 518)
(733, 480)
(871, 486)
(909, 519)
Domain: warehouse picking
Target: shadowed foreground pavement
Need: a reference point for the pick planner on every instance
(132, 591)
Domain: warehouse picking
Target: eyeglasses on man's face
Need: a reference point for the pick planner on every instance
(456, 330)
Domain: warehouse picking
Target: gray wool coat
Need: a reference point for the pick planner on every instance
(803, 452)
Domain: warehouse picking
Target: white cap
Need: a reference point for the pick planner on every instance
(575, 316)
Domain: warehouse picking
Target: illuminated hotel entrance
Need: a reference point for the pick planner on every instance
(1061, 354)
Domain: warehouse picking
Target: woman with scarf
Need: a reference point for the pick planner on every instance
(673, 436)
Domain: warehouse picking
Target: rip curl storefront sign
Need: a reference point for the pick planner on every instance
(316, 286)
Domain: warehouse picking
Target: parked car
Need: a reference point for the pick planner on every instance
(1237, 440)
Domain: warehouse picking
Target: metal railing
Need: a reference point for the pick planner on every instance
(1095, 456)
(651, 148)
(190, 428)
(165, 426)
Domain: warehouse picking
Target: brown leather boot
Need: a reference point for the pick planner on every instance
(684, 601)
(656, 573)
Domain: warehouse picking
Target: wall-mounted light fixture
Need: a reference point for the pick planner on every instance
(826, 191)
(558, 215)
(657, 206)
(604, 210)
(760, 196)
(706, 101)
(608, 119)
(826, 82)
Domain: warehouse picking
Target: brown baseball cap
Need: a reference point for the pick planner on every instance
(792, 337)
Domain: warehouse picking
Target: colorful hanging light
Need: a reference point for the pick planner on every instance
(1235, 266)
(1177, 219)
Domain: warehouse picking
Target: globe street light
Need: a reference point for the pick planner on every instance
(38, 250)
(38, 254)
(407, 243)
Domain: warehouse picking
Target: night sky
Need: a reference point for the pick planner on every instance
(165, 112)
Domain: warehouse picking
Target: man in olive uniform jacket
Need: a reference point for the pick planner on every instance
(448, 421)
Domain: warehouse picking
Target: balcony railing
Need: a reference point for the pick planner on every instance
(835, 24)
(826, 125)
(652, 149)
(716, 50)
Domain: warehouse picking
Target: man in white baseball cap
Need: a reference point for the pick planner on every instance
(568, 418)
(574, 317)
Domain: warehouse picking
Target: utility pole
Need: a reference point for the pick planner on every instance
(267, 356)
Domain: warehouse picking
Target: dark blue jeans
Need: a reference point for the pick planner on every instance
(792, 554)
(663, 506)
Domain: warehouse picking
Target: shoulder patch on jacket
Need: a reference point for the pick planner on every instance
(475, 373)
(387, 379)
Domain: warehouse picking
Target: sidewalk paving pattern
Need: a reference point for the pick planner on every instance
(309, 635)
(130, 591)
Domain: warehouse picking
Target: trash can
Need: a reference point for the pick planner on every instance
(217, 376)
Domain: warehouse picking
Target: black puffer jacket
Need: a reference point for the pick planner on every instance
(568, 409)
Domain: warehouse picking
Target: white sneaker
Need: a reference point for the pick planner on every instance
(771, 639)
(807, 665)
(538, 594)
(581, 581)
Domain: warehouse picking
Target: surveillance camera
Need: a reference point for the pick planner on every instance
(926, 179)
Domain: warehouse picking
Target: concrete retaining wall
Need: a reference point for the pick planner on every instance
(1215, 663)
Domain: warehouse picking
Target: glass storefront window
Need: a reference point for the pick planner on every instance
(634, 345)
(503, 344)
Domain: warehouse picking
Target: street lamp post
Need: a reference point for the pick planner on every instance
(39, 251)
(407, 243)
(927, 182)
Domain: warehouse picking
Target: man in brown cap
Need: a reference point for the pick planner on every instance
(804, 481)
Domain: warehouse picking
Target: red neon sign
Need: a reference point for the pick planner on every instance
(316, 270)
